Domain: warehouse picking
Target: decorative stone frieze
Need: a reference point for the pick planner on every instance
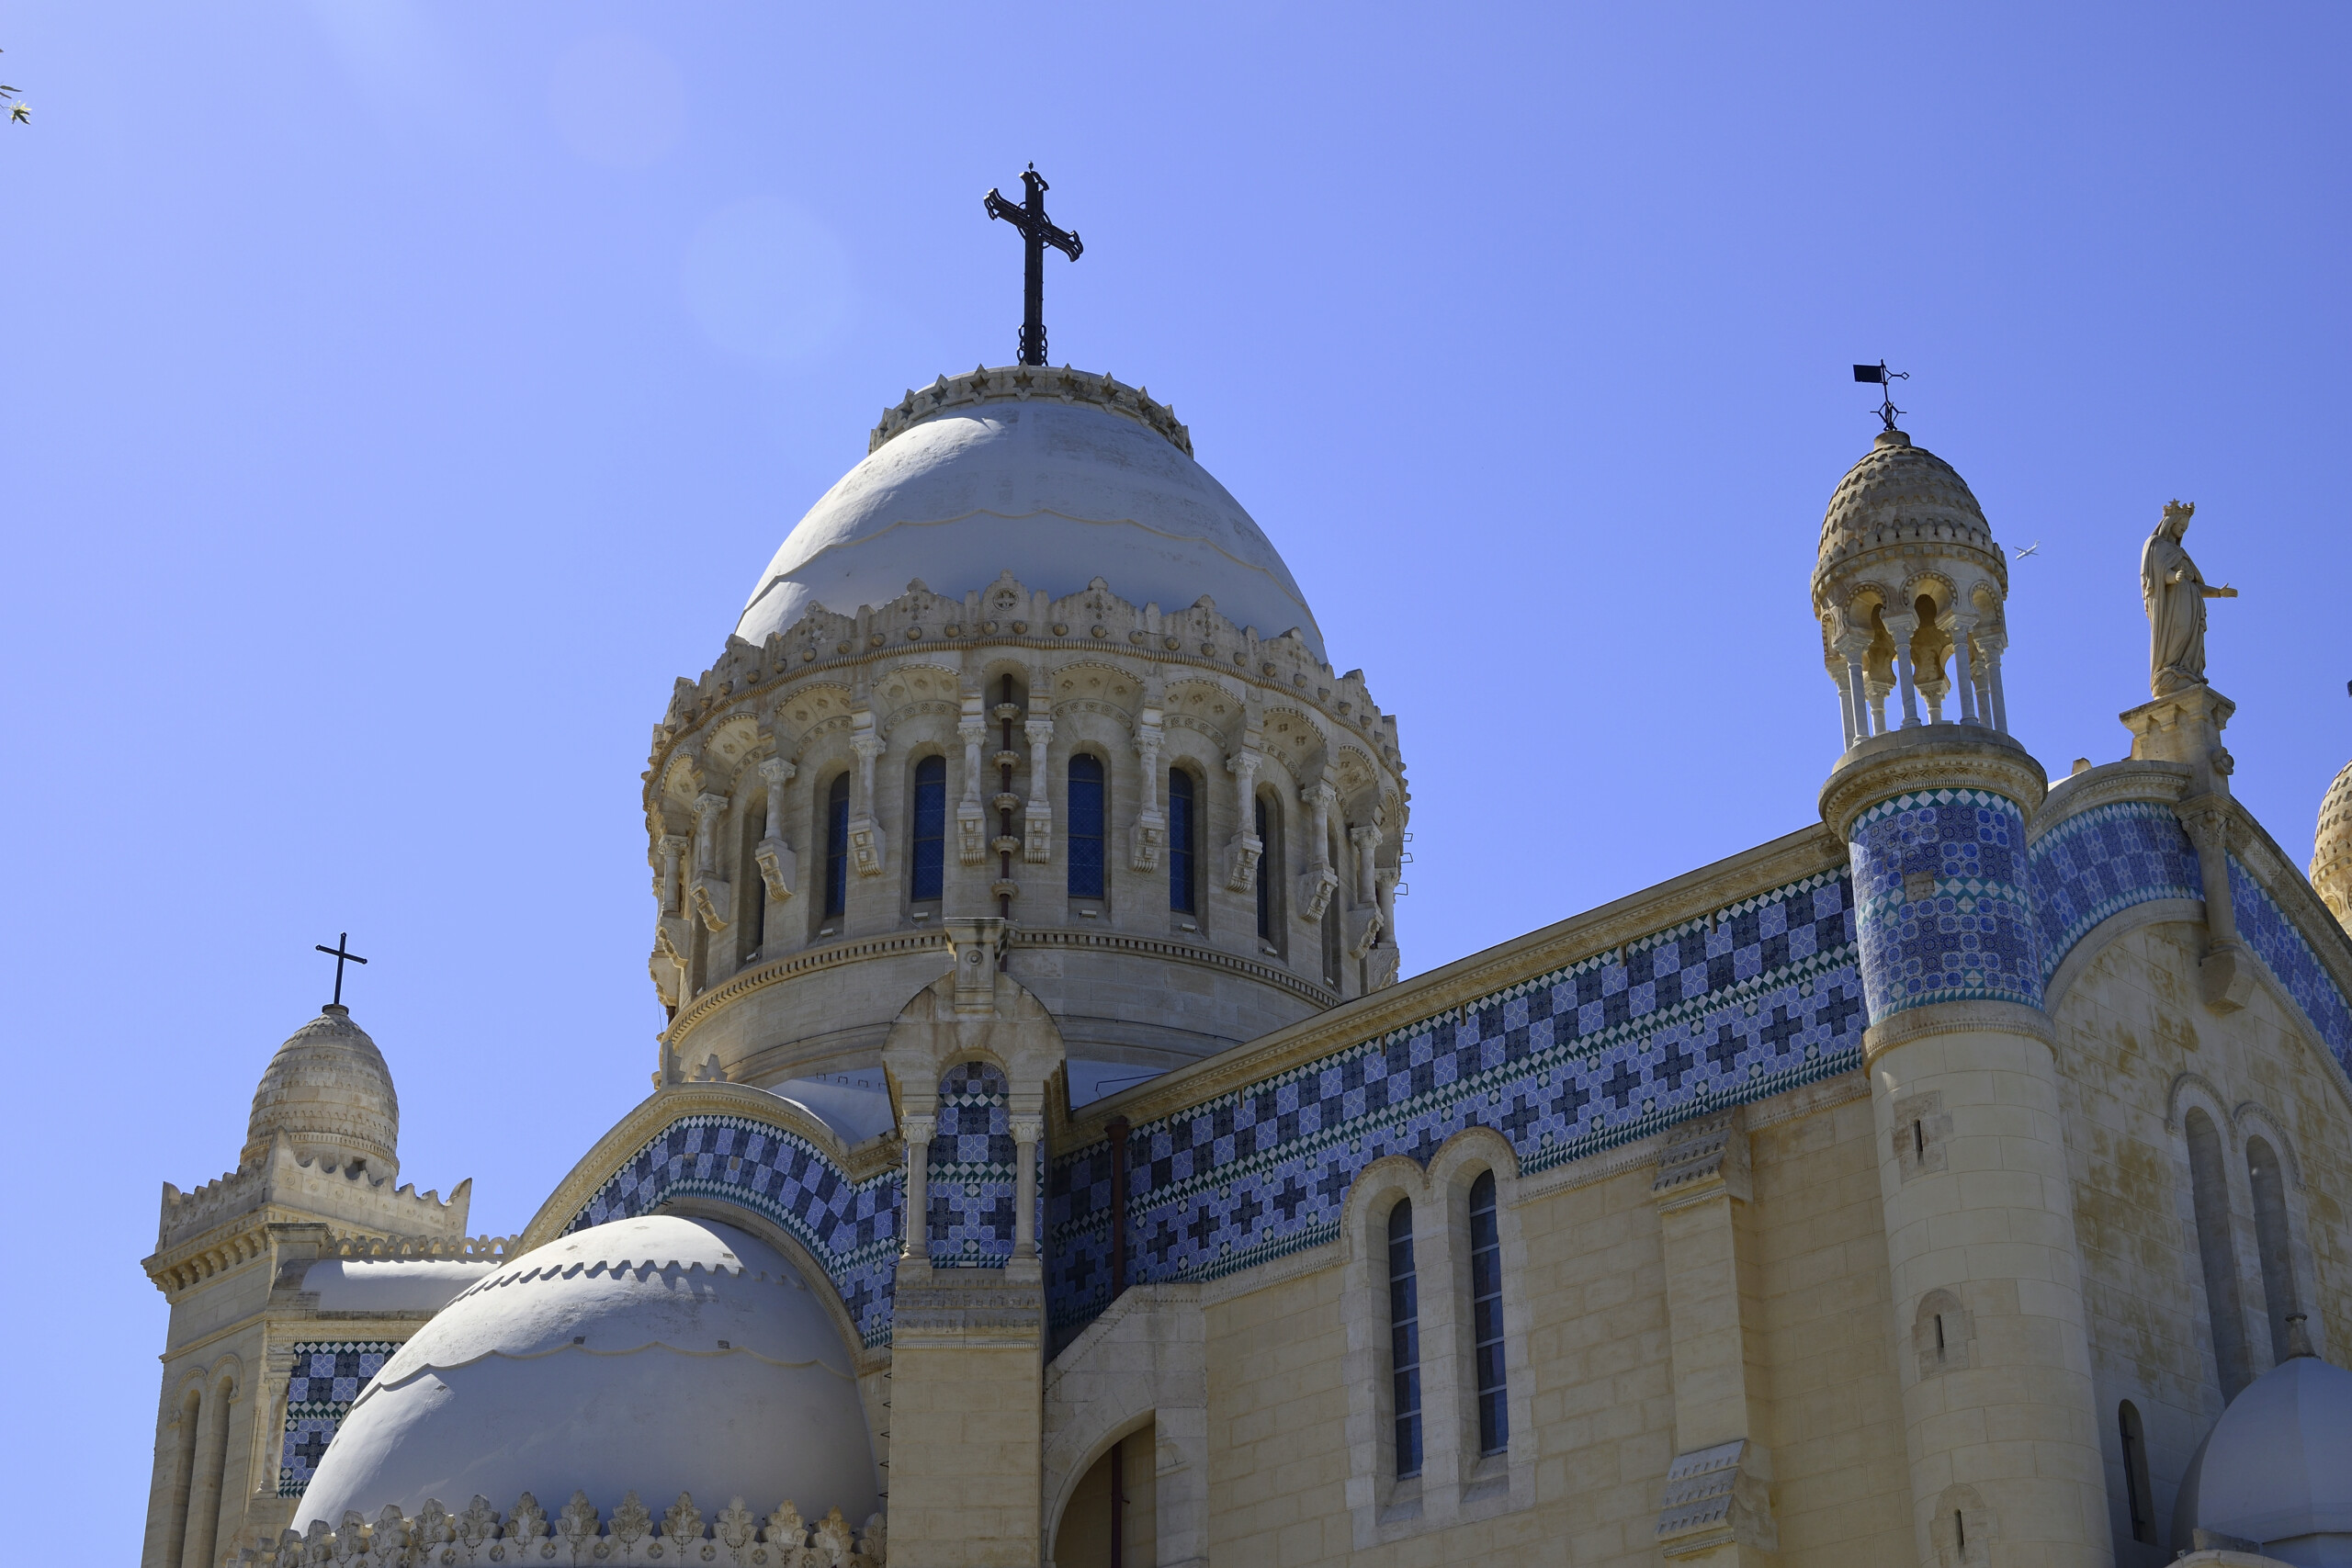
(1021, 382)
(577, 1535)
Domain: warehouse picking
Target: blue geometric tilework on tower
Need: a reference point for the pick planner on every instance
(1945, 907)
(2102, 860)
(1758, 998)
(970, 1176)
(851, 1227)
(2265, 927)
(328, 1376)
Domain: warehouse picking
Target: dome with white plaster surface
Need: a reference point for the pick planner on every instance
(2277, 1468)
(1056, 475)
(658, 1354)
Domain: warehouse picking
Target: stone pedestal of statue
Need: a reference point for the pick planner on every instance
(2184, 727)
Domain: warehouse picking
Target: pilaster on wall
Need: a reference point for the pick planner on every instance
(967, 1416)
(1717, 1508)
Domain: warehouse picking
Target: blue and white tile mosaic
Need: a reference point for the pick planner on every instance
(2265, 928)
(328, 1375)
(851, 1227)
(2101, 862)
(970, 1179)
(1758, 999)
(1946, 906)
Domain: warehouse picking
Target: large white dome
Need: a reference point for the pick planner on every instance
(2275, 1467)
(660, 1355)
(969, 479)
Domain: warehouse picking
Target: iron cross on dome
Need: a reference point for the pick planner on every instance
(1036, 232)
(340, 955)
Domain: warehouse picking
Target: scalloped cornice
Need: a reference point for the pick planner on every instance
(1020, 383)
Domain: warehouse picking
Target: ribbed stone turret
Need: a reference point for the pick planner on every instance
(328, 1091)
(2332, 848)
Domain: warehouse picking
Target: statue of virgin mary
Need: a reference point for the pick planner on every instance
(2175, 594)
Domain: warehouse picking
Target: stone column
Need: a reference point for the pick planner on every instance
(710, 889)
(1318, 881)
(1717, 1505)
(667, 886)
(1026, 1132)
(1995, 644)
(776, 862)
(867, 851)
(1901, 624)
(1961, 627)
(1151, 828)
(1974, 1181)
(1854, 646)
(1245, 846)
(971, 817)
(1037, 815)
(919, 1130)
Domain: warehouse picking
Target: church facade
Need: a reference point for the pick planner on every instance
(1044, 1163)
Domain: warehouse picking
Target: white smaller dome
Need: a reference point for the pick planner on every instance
(2275, 1467)
(658, 1355)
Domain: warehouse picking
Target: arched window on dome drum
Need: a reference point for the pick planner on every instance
(1332, 946)
(2271, 1235)
(929, 835)
(1486, 1316)
(2210, 1195)
(837, 845)
(1270, 865)
(1085, 827)
(1405, 1339)
(1183, 826)
(2139, 1501)
(751, 888)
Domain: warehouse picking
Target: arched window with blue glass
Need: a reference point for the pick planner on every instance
(1086, 812)
(928, 834)
(837, 846)
(1404, 1343)
(1183, 834)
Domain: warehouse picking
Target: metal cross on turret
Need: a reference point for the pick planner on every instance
(340, 952)
(1036, 233)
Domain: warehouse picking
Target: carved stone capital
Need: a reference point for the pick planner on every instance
(869, 746)
(1930, 757)
(1038, 731)
(1244, 852)
(777, 865)
(1028, 1129)
(779, 769)
(1316, 886)
(918, 1130)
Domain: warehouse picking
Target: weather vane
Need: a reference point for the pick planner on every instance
(1036, 233)
(1880, 376)
(339, 952)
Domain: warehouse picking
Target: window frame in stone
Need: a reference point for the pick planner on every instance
(2217, 1249)
(1405, 1449)
(1183, 841)
(1489, 1371)
(927, 830)
(1085, 854)
(836, 809)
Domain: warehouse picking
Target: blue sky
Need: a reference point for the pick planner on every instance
(398, 397)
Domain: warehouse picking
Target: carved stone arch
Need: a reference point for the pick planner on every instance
(1984, 596)
(926, 707)
(682, 778)
(1098, 680)
(2194, 1089)
(1935, 584)
(806, 706)
(1296, 733)
(1372, 1193)
(810, 750)
(2252, 1116)
(1002, 1025)
(1081, 1448)
(729, 745)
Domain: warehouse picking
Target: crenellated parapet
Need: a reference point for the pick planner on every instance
(223, 1224)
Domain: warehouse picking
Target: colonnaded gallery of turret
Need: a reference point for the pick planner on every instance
(1046, 1165)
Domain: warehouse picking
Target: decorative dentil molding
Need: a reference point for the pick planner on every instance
(576, 1535)
(1020, 383)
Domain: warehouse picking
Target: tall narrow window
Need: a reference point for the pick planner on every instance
(1269, 866)
(1085, 827)
(751, 888)
(1486, 1316)
(1180, 825)
(1405, 1339)
(2271, 1235)
(2209, 1188)
(930, 829)
(837, 846)
(1331, 907)
(2135, 1475)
